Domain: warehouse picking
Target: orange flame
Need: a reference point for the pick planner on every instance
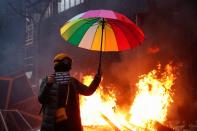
(151, 102)
(93, 105)
(153, 98)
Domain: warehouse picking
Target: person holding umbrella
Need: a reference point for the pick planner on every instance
(96, 30)
(59, 96)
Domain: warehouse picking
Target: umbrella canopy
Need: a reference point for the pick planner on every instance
(102, 30)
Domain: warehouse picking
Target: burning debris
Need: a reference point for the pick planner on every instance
(153, 97)
(109, 122)
(160, 127)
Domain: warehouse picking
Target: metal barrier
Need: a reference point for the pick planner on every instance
(3, 119)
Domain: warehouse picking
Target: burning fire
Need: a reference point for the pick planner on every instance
(153, 98)
(150, 105)
(92, 106)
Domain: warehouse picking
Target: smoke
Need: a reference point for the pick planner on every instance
(171, 29)
(11, 57)
(11, 40)
(170, 35)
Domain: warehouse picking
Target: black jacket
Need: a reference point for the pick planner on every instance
(48, 96)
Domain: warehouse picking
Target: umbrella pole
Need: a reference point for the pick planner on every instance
(101, 51)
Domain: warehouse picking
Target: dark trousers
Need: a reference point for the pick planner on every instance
(62, 126)
(66, 126)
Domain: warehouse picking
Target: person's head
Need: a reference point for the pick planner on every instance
(62, 62)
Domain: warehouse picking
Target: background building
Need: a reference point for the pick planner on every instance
(47, 40)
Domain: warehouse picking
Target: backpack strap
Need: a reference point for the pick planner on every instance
(68, 92)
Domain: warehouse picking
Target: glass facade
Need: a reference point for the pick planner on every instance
(66, 4)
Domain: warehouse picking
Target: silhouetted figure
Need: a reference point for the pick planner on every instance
(59, 95)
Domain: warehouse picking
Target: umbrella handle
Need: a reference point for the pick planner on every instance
(101, 51)
(100, 61)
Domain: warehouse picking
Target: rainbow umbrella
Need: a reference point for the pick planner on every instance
(102, 30)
